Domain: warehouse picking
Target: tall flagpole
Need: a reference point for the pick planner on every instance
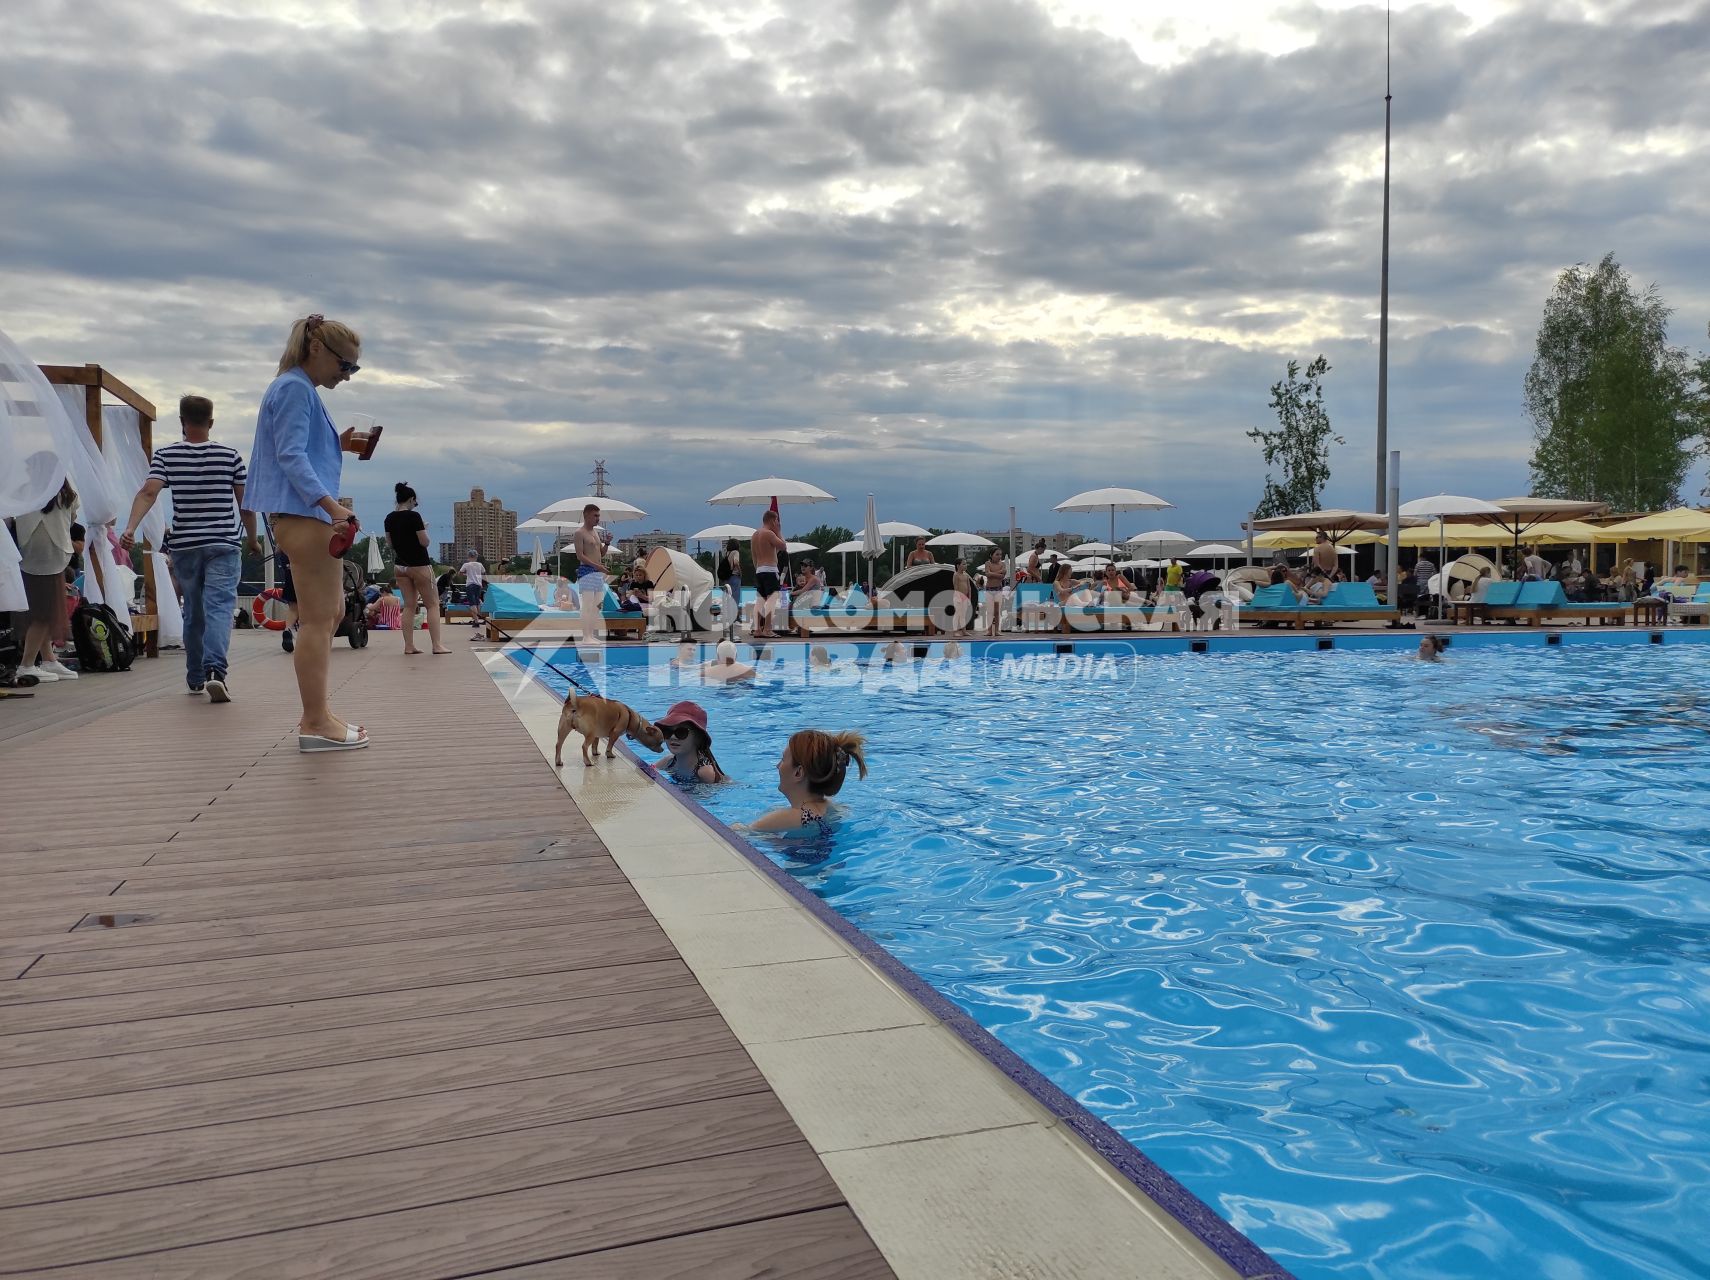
(1383, 298)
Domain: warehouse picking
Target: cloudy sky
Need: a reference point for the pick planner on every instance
(961, 253)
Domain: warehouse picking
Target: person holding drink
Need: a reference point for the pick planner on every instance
(294, 472)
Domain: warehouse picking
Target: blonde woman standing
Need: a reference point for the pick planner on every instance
(294, 472)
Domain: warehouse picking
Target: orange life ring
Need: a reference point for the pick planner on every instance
(259, 609)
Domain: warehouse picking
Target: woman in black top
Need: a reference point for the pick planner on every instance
(413, 568)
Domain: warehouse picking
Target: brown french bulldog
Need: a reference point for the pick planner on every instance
(597, 718)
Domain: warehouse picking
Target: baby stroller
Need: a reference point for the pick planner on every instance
(354, 624)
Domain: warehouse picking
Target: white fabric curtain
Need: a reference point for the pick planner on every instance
(166, 605)
(121, 445)
(31, 466)
(97, 488)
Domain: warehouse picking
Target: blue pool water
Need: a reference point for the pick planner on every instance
(1403, 968)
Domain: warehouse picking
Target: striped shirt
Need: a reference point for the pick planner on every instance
(204, 508)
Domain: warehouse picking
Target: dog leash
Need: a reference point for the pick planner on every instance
(544, 661)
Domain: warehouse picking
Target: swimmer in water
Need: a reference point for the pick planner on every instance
(726, 669)
(689, 745)
(1430, 648)
(810, 772)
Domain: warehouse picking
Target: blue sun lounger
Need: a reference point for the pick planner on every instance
(1536, 601)
(512, 606)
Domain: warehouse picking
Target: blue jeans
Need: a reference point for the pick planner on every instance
(208, 577)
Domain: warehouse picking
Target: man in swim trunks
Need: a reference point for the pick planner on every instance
(1324, 555)
(590, 574)
(768, 547)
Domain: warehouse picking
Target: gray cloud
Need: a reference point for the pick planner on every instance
(954, 253)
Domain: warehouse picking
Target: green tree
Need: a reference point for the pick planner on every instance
(1300, 446)
(826, 536)
(1617, 412)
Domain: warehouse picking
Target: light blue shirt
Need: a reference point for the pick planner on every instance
(296, 460)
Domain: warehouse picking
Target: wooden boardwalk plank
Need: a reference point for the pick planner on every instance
(46, 1124)
(151, 1160)
(822, 1244)
(443, 1241)
(122, 1223)
(157, 1068)
(82, 1044)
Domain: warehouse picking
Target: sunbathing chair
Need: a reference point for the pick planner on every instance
(512, 608)
(1272, 606)
(1535, 602)
(1698, 607)
(1347, 602)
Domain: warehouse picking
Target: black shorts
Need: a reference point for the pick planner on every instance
(766, 583)
(282, 575)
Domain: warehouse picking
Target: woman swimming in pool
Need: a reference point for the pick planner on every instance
(810, 772)
(689, 744)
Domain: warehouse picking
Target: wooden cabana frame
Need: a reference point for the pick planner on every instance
(97, 382)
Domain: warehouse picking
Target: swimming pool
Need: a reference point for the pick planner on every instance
(1403, 968)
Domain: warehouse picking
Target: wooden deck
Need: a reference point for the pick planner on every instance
(393, 1013)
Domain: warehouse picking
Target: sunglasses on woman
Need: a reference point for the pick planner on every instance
(346, 367)
(680, 730)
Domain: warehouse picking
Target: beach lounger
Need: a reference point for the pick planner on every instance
(1347, 602)
(511, 607)
(1535, 602)
(850, 612)
(1272, 606)
(1697, 607)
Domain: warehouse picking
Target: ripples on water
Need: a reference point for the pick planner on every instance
(1405, 968)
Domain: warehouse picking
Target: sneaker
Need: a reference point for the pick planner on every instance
(216, 686)
(195, 691)
(288, 639)
(42, 676)
(59, 669)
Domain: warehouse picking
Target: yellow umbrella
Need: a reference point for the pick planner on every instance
(1296, 539)
(1573, 533)
(1683, 524)
(1454, 535)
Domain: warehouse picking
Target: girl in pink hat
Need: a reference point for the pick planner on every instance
(684, 727)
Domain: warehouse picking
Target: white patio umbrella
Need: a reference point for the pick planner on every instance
(375, 563)
(1165, 541)
(841, 551)
(1440, 507)
(796, 548)
(1215, 550)
(959, 539)
(1113, 500)
(566, 513)
(872, 541)
(719, 532)
(761, 493)
(900, 529)
(1091, 549)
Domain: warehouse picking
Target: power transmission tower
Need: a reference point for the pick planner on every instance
(600, 478)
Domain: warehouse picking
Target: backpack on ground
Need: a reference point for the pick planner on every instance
(101, 641)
